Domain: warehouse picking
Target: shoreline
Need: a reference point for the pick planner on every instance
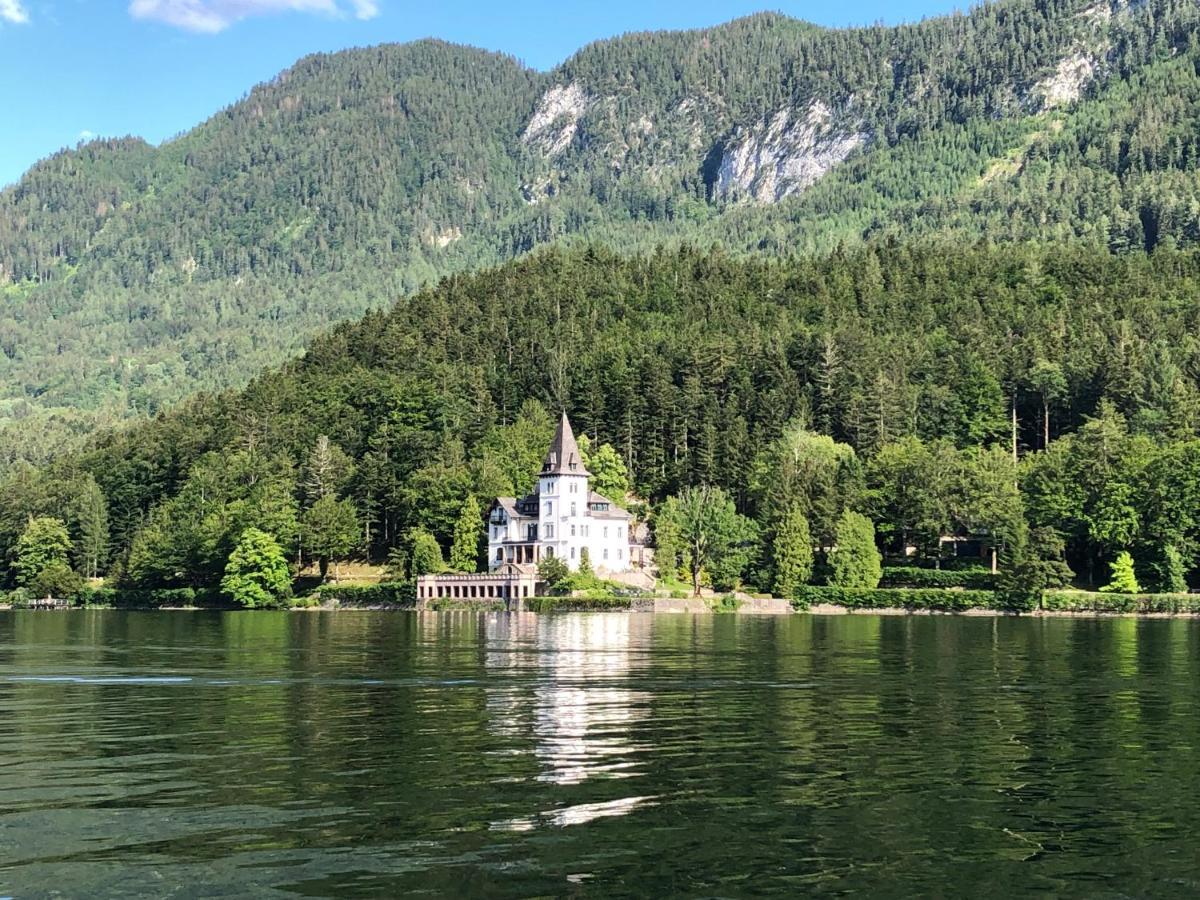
(817, 609)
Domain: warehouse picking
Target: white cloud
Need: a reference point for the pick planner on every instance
(86, 135)
(13, 11)
(212, 16)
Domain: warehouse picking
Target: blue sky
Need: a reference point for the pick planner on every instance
(72, 69)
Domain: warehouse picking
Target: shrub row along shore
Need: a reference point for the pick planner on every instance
(400, 596)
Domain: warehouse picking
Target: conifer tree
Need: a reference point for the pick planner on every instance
(464, 552)
(792, 553)
(331, 531)
(854, 559)
(1123, 579)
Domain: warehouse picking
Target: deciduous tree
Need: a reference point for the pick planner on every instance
(257, 573)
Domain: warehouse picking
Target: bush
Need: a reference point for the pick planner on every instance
(96, 596)
(554, 572)
(57, 579)
(729, 603)
(425, 554)
(975, 579)
(895, 598)
(17, 599)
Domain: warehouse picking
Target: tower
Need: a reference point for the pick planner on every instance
(563, 498)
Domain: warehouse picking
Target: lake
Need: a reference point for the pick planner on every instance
(183, 754)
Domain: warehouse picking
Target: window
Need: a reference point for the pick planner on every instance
(573, 508)
(549, 509)
(606, 531)
(572, 553)
(606, 553)
(572, 531)
(549, 552)
(500, 555)
(618, 554)
(547, 531)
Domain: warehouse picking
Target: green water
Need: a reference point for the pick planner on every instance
(367, 754)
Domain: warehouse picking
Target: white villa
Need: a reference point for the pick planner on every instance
(562, 517)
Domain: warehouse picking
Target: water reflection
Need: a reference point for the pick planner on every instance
(382, 754)
(573, 699)
(576, 815)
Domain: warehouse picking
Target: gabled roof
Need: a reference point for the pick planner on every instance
(613, 511)
(563, 457)
(512, 506)
(508, 504)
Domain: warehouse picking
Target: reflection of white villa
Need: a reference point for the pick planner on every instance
(562, 517)
(563, 687)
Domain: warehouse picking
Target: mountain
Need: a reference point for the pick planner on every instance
(132, 275)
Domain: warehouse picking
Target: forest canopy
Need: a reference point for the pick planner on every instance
(884, 381)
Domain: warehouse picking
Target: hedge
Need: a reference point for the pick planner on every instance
(976, 579)
(1087, 601)
(397, 593)
(154, 598)
(898, 598)
(950, 563)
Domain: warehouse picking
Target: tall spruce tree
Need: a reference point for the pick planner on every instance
(792, 553)
(468, 531)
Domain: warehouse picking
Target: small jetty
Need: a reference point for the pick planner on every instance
(49, 603)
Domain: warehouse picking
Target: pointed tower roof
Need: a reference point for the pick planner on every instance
(563, 457)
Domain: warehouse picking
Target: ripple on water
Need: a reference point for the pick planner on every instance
(377, 754)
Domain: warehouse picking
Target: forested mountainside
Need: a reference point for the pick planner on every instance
(132, 275)
(877, 379)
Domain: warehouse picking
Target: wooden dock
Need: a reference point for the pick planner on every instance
(49, 603)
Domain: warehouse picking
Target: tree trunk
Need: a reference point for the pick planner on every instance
(323, 563)
(1045, 423)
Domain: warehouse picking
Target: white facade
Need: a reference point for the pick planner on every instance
(562, 517)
